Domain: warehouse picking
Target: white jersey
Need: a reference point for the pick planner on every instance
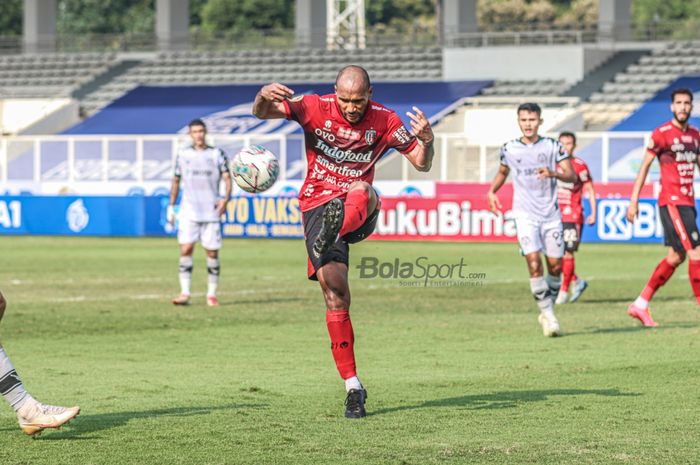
(534, 198)
(200, 174)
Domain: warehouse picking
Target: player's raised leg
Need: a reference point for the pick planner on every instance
(341, 218)
(662, 273)
(33, 416)
(333, 277)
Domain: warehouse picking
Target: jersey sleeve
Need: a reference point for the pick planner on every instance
(400, 138)
(560, 153)
(656, 143)
(503, 155)
(301, 107)
(584, 175)
(222, 162)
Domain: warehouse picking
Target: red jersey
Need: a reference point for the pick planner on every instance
(677, 151)
(570, 194)
(339, 153)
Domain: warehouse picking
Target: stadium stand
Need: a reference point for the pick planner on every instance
(504, 88)
(298, 65)
(50, 75)
(640, 81)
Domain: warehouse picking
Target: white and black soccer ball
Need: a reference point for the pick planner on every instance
(255, 169)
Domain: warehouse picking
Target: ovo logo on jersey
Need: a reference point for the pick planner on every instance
(613, 224)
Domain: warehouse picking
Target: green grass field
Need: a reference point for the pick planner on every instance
(454, 374)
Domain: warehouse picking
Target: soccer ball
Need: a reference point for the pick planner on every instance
(255, 169)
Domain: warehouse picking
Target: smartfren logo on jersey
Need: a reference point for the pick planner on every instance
(343, 155)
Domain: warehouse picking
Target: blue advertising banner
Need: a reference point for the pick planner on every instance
(257, 216)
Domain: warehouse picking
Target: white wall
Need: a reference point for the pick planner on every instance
(37, 116)
(568, 62)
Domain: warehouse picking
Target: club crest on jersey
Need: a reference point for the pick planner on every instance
(328, 124)
(541, 158)
(370, 136)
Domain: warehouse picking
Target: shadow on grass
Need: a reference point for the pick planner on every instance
(83, 425)
(633, 329)
(504, 399)
(627, 300)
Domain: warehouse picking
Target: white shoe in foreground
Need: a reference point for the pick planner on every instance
(37, 417)
(550, 325)
(562, 298)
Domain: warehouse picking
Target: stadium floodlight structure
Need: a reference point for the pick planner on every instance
(345, 24)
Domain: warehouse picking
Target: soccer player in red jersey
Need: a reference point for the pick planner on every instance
(676, 145)
(346, 133)
(570, 196)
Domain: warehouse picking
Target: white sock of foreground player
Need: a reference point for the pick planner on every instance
(541, 293)
(213, 269)
(185, 275)
(554, 283)
(11, 386)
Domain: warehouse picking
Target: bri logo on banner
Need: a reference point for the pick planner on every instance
(613, 224)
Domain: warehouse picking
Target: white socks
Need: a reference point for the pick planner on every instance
(352, 383)
(185, 274)
(213, 269)
(641, 303)
(554, 284)
(11, 386)
(541, 293)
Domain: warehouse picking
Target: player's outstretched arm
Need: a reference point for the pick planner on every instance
(174, 191)
(594, 203)
(221, 207)
(638, 183)
(567, 173)
(268, 102)
(498, 181)
(421, 157)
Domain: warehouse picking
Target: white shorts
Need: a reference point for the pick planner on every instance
(537, 236)
(208, 233)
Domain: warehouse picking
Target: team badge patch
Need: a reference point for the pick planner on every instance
(370, 136)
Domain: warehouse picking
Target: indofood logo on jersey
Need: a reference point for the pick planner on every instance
(613, 224)
(343, 155)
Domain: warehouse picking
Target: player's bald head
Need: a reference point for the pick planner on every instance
(353, 78)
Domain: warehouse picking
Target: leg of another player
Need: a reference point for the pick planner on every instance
(694, 271)
(567, 267)
(213, 271)
(662, 273)
(32, 415)
(185, 274)
(333, 278)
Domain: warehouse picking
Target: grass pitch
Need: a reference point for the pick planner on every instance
(455, 375)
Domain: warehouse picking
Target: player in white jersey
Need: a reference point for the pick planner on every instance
(533, 160)
(199, 170)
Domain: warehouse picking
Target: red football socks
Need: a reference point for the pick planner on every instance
(567, 270)
(694, 275)
(662, 273)
(342, 342)
(355, 211)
